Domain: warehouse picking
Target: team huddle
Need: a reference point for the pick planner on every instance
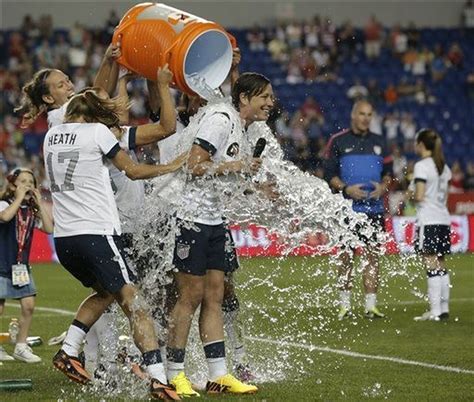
(98, 193)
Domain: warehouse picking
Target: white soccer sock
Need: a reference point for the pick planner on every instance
(434, 294)
(73, 342)
(370, 301)
(217, 367)
(157, 370)
(345, 299)
(445, 288)
(173, 369)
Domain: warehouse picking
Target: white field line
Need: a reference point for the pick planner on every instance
(360, 355)
(315, 348)
(396, 303)
(46, 309)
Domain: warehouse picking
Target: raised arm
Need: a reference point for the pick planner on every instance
(107, 75)
(160, 98)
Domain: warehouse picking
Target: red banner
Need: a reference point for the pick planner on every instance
(256, 241)
(461, 204)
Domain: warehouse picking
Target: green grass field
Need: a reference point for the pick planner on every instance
(300, 350)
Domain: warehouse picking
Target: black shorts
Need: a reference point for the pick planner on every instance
(231, 258)
(95, 258)
(377, 221)
(196, 251)
(433, 240)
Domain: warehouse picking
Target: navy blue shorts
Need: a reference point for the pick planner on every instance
(196, 251)
(433, 240)
(95, 258)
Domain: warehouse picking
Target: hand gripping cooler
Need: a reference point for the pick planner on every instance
(153, 34)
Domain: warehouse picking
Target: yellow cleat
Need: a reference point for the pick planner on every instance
(229, 384)
(183, 386)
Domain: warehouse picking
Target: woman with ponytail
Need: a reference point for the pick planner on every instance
(21, 208)
(430, 185)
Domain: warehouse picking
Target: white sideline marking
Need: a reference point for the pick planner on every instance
(311, 347)
(360, 355)
(47, 309)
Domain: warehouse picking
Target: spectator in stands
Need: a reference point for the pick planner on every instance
(347, 41)
(373, 38)
(312, 31)
(294, 34)
(408, 130)
(413, 35)
(29, 28)
(456, 56)
(328, 34)
(309, 68)
(357, 91)
(294, 75)
(456, 185)
(256, 38)
(398, 41)
(469, 177)
(391, 94)
(76, 34)
(45, 26)
(391, 126)
(61, 53)
(422, 61)
(438, 64)
(278, 49)
(44, 55)
(409, 58)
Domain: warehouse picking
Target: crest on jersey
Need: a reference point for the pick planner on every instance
(182, 251)
(377, 149)
(233, 149)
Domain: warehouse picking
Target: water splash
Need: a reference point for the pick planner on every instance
(199, 85)
(273, 308)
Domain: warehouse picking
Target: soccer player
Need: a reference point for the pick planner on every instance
(359, 167)
(50, 89)
(87, 229)
(200, 255)
(21, 209)
(430, 181)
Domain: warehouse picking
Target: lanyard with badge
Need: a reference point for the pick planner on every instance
(20, 275)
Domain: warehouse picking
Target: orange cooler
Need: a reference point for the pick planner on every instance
(153, 34)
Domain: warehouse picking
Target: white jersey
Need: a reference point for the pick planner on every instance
(56, 116)
(221, 133)
(169, 186)
(129, 194)
(432, 210)
(83, 200)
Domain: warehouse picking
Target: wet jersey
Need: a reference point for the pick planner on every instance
(83, 200)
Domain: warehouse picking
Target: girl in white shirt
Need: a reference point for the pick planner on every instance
(431, 178)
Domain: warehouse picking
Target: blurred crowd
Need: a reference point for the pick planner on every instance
(310, 51)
